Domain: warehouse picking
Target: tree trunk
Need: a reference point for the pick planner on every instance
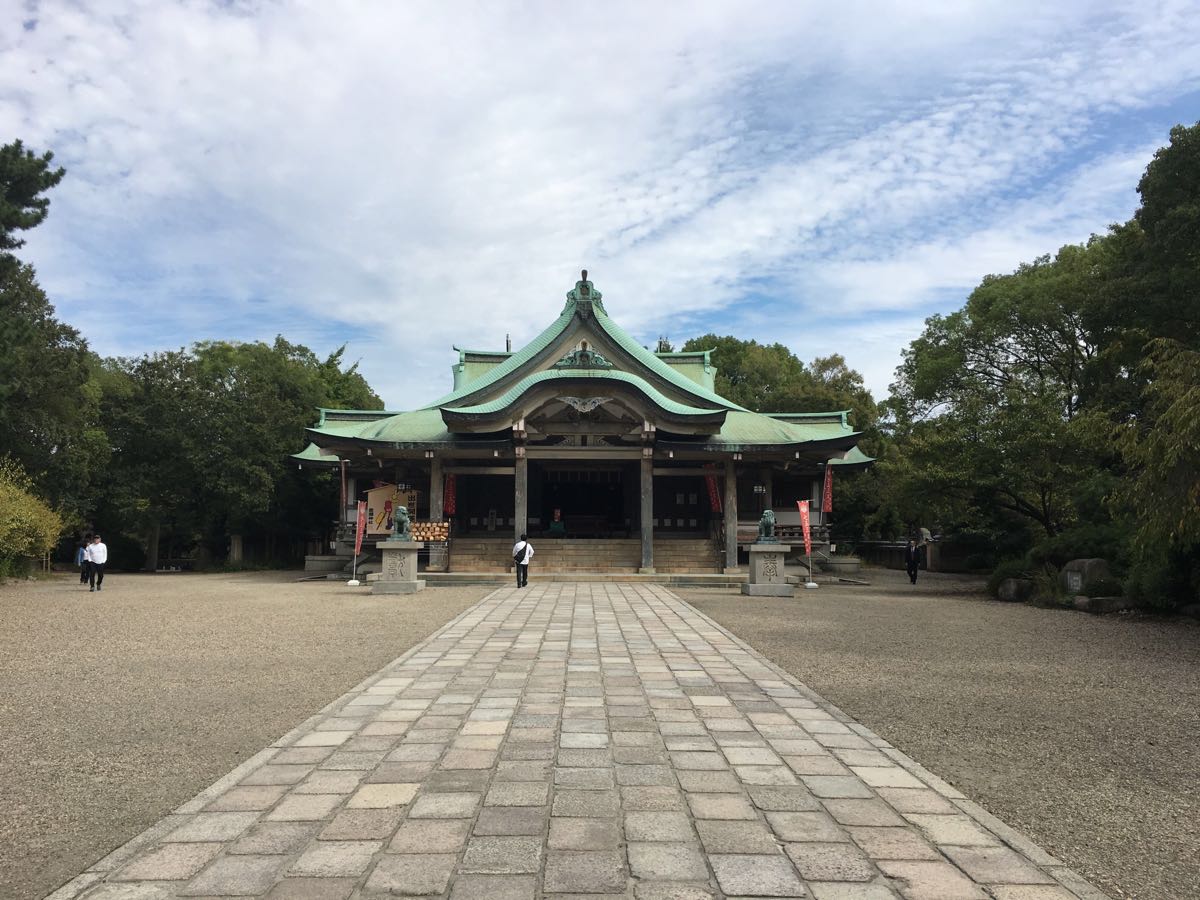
(152, 548)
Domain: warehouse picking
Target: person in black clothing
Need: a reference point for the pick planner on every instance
(912, 560)
(522, 552)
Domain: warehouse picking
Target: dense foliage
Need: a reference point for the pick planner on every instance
(29, 528)
(186, 447)
(1055, 415)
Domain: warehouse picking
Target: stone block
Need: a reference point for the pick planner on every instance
(503, 855)
(658, 826)
(1016, 590)
(666, 862)
(417, 874)
(580, 872)
(237, 876)
(335, 859)
(745, 875)
(511, 820)
(169, 862)
(931, 880)
(817, 861)
(431, 836)
(494, 887)
(584, 834)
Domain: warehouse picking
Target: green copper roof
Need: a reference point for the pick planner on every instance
(514, 394)
(854, 458)
(588, 310)
(313, 456)
(749, 429)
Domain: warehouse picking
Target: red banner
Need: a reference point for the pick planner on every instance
(827, 492)
(361, 526)
(803, 504)
(714, 491)
(450, 497)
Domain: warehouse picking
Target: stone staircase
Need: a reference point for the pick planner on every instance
(573, 556)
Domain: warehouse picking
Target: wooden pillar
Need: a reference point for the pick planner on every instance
(647, 514)
(520, 495)
(769, 484)
(731, 517)
(437, 483)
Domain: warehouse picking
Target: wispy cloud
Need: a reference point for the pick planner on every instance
(415, 175)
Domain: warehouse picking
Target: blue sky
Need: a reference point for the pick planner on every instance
(404, 177)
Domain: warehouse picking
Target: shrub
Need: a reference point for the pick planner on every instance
(28, 527)
(1010, 568)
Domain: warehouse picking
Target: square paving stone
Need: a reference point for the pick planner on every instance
(392, 773)
(412, 875)
(523, 770)
(864, 812)
(362, 824)
(323, 782)
(816, 765)
(212, 826)
(584, 834)
(354, 762)
(735, 837)
(805, 826)
(996, 865)
(382, 796)
(720, 806)
(702, 782)
(893, 843)
(1028, 892)
(959, 830)
(247, 798)
(886, 776)
(667, 861)
(589, 759)
(931, 880)
(698, 759)
(300, 755)
(756, 876)
(445, 806)
(817, 861)
(782, 798)
(590, 804)
(671, 890)
(503, 855)
(313, 889)
(494, 887)
(752, 756)
(645, 775)
(595, 779)
(837, 787)
(905, 800)
(468, 759)
(305, 807)
(766, 775)
(454, 781)
(583, 740)
(511, 820)
(828, 890)
(651, 798)
(579, 872)
(658, 826)
(275, 837)
(518, 793)
(169, 862)
(639, 756)
(237, 876)
(335, 859)
(430, 836)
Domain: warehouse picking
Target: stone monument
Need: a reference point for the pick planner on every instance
(399, 575)
(767, 578)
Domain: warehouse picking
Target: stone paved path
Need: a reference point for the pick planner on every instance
(574, 740)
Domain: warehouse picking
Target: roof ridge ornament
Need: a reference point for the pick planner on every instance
(583, 358)
(584, 293)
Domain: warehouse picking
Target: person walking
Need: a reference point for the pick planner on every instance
(81, 559)
(97, 557)
(522, 553)
(912, 560)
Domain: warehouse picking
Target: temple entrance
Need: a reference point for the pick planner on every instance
(681, 507)
(485, 505)
(572, 501)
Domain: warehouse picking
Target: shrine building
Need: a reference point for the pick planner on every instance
(610, 456)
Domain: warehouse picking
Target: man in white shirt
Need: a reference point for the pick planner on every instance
(522, 553)
(97, 557)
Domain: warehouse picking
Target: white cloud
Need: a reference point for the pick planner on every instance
(435, 173)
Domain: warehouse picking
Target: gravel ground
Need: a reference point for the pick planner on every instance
(117, 707)
(1079, 730)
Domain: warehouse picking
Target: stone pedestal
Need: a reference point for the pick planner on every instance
(767, 578)
(399, 575)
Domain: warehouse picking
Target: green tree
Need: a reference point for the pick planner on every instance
(49, 395)
(24, 178)
(28, 526)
